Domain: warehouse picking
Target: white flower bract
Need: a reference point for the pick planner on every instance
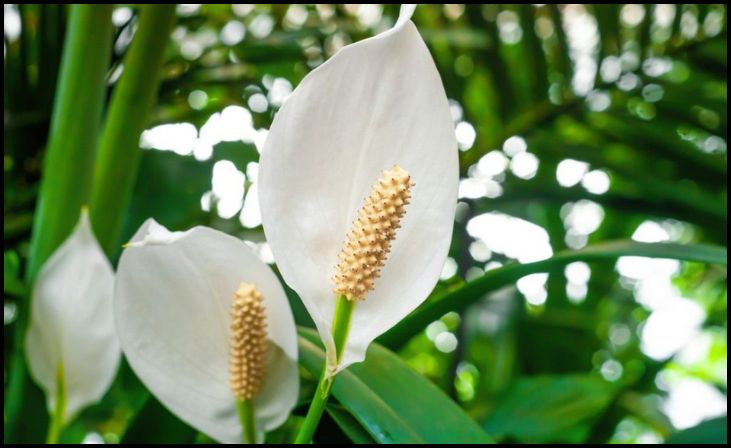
(172, 303)
(376, 103)
(72, 324)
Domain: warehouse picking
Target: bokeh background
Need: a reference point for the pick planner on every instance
(576, 125)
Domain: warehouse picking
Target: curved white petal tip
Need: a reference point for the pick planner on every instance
(405, 13)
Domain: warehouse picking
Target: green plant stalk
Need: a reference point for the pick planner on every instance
(119, 155)
(77, 113)
(341, 327)
(67, 171)
(341, 324)
(460, 297)
(59, 409)
(248, 422)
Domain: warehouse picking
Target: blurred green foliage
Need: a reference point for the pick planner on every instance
(635, 96)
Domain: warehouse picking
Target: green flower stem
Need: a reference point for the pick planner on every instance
(248, 422)
(77, 114)
(341, 324)
(67, 178)
(341, 327)
(317, 407)
(58, 416)
(119, 155)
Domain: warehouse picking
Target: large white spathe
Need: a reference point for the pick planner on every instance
(376, 103)
(71, 328)
(172, 304)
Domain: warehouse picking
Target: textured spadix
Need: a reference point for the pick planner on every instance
(375, 104)
(172, 304)
(369, 243)
(248, 342)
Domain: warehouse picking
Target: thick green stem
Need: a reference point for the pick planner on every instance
(58, 416)
(341, 327)
(67, 177)
(116, 165)
(248, 422)
(341, 324)
(77, 113)
(317, 407)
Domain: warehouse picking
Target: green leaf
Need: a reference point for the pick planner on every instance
(714, 431)
(169, 186)
(349, 425)
(160, 194)
(116, 165)
(550, 408)
(12, 284)
(460, 298)
(65, 185)
(240, 153)
(286, 433)
(391, 401)
(155, 424)
(77, 114)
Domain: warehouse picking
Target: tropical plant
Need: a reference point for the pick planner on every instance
(584, 297)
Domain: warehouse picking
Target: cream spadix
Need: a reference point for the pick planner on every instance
(248, 342)
(369, 243)
(198, 340)
(375, 104)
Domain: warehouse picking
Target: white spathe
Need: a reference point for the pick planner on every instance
(376, 103)
(173, 310)
(72, 322)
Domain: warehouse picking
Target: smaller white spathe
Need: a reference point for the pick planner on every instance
(72, 322)
(173, 310)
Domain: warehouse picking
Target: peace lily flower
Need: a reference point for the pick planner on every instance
(358, 186)
(364, 145)
(71, 345)
(207, 328)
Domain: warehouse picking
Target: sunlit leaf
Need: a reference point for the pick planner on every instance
(349, 425)
(463, 296)
(399, 407)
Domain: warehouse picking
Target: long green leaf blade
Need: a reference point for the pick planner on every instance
(550, 408)
(67, 178)
(77, 114)
(119, 152)
(349, 425)
(467, 294)
(394, 403)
